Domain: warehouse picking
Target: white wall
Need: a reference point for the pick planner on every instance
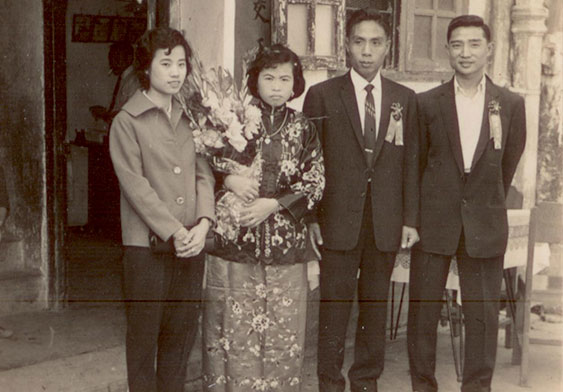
(209, 28)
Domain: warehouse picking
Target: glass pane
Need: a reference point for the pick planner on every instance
(441, 31)
(425, 4)
(422, 35)
(446, 5)
(324, 30)
(297, 36)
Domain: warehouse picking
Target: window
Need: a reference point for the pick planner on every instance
(425, 23)
(313, 29)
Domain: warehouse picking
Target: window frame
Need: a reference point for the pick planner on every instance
(310, 61)
(402, 67)
(410, 65)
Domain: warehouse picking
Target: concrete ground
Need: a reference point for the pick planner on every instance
(81, 350)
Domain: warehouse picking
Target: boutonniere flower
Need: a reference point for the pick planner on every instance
(495, 125)
(395, 129)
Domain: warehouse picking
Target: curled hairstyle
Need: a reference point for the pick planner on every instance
(362, 15)
(469, 21)
(147, 45)
(270, 57)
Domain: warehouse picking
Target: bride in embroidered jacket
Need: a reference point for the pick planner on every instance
(256, 294)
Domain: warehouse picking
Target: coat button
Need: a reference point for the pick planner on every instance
(464, 202)
(180, 200)
(363, 194)
(177, 170)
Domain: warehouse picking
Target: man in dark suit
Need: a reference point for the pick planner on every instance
(367, 125)
(472, 134)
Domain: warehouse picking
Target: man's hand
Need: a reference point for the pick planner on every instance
(409, 237)
(244, 187)
(315, 237)
(257, 211)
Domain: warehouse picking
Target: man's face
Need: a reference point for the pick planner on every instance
(367, 47)
(468, 51)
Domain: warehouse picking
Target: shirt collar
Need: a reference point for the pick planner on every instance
(460, 91)
(139, 104)
(360, 83)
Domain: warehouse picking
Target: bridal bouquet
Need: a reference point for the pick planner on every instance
(223, 120)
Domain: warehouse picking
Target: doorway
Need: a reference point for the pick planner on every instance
(85, 234)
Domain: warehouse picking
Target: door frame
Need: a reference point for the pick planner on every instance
(54, 18)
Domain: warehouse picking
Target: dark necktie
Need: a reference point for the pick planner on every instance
(369, 125)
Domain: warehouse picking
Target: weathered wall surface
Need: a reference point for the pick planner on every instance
(22, 140)
(252, 22)
(550, 140)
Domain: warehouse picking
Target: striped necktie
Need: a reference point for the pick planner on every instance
(369, 126)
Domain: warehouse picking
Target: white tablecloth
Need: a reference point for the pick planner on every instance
(515, 256)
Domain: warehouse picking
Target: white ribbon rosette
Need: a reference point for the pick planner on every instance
(395, 129)
(495, 125)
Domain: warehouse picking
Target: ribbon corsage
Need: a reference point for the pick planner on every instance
(495, 125)
(395, 129)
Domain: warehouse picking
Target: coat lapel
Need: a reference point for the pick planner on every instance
(491, 93)
(449, 116)
(348, 97)
(386, 99)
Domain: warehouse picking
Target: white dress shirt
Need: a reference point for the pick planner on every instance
(469, 118)
(359, 88)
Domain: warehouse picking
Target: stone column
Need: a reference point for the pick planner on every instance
(500, 30)
(528, 29)
(550, 142)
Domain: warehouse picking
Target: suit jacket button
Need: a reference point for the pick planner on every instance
(177, 170)
(464, 202)
(180, 200)
(363, 194)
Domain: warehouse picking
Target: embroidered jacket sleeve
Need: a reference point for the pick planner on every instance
(308, 183)
(313, 109)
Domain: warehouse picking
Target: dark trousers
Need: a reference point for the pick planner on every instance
(163, 296)
(480, 282)
(338, 284)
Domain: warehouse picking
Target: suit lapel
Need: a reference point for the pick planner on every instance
(348, 96)
(386, 98)
(491, 94)
(449, 116)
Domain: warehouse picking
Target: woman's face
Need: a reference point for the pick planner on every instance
(168, 71)
(275, 85)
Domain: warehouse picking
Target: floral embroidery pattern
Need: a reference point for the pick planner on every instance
(254, 344)
(298, 170)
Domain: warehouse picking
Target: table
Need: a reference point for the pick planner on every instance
(515, 256)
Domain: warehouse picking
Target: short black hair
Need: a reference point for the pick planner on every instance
(270, 57)
(468, 21)
(363, 15)
(147, 45)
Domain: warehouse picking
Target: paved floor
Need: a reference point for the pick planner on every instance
(80, 349)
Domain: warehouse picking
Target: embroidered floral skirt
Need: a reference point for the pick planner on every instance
(254, 326)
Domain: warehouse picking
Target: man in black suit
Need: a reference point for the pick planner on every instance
(472, 134)
(367, 125)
